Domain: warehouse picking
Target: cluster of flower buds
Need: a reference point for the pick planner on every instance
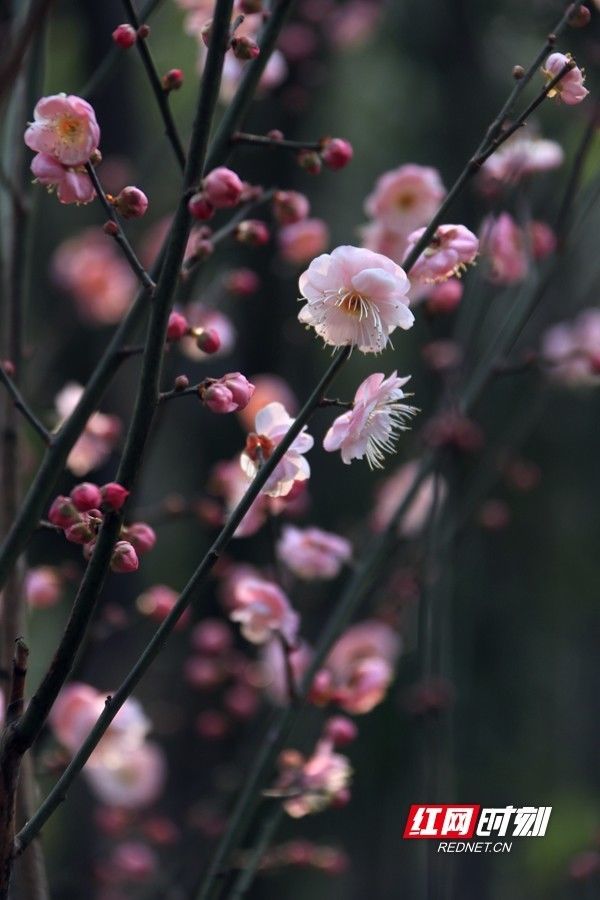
(314, 784)
(125, 35)
(81, 514)
(207, 339)
(220, 189)
(227, 394)
(334, 153)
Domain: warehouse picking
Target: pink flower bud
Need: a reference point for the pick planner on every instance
(124, 558)
(63, 512)
(290, 207)
(336, 153)
(244, 48)
(124, 36)
(172, 80)
(543, 239)
(110, 228)
(321, 689)
(141, 536)
(178, 327)
(208, 340)
(310, 161)
(223, 188)
(341, 730)
(114, 495)
(252, 232)
(212, 636)
(228, 394)
(131, 203)
(242, 282)
(86, 496)
(134, 861)
(199, 207)
(81, 532)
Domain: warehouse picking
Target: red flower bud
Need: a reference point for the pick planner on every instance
(336, 153)
(310, 161)
(124, 558)
(207, 340)
(178, 327)
(290, 207)
(86, 496)
(252, 232)
(131, 203)
(341, 730)
(124, 36)
(223, 188)
(244, 48)
(141, 536)
(63, 512)
(172, 80)
(114, 495)
(199, 207)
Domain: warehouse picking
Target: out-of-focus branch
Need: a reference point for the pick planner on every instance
(34, 20)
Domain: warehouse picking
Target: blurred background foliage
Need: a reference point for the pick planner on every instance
(517, 607)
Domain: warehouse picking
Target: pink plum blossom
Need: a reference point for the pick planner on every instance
(65, 128)
(229, 481)
(361, 665)
(406, 198)
(43, 587)
(92, 270)
(131, 779)
(76, 710)
(392, 492)
(158, 601)
(72, 185)
(311, 553)
(355, 297)
(371, 427)
(271, 425)
(314, 783)
(377, 237)
(262, 609)
(98, 439)
(570, 88)
(572, 350)
(520, 157)
(452, 248)
(504, 248)
(303, 240)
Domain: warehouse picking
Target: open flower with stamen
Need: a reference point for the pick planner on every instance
(272, 424)
(262, 609)
(406, 198)
(313, 784)
(570, 88)
(371, 427)
(355, 297)
(451, 250)
(65, 128)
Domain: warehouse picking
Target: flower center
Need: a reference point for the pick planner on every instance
(258, 447)
(405, 201)
(68, 127)
(353, 304)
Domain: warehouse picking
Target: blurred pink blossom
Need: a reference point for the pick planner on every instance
(130, 778)
(314, 783)
(311, 553)
(391, 493)
(504, 248)
(572, 349)
(262, 609)
(452, 248)
(94, 272)
(520, 157)
(98, 439)
(43, 587)
(303, 240)
(406, 198)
